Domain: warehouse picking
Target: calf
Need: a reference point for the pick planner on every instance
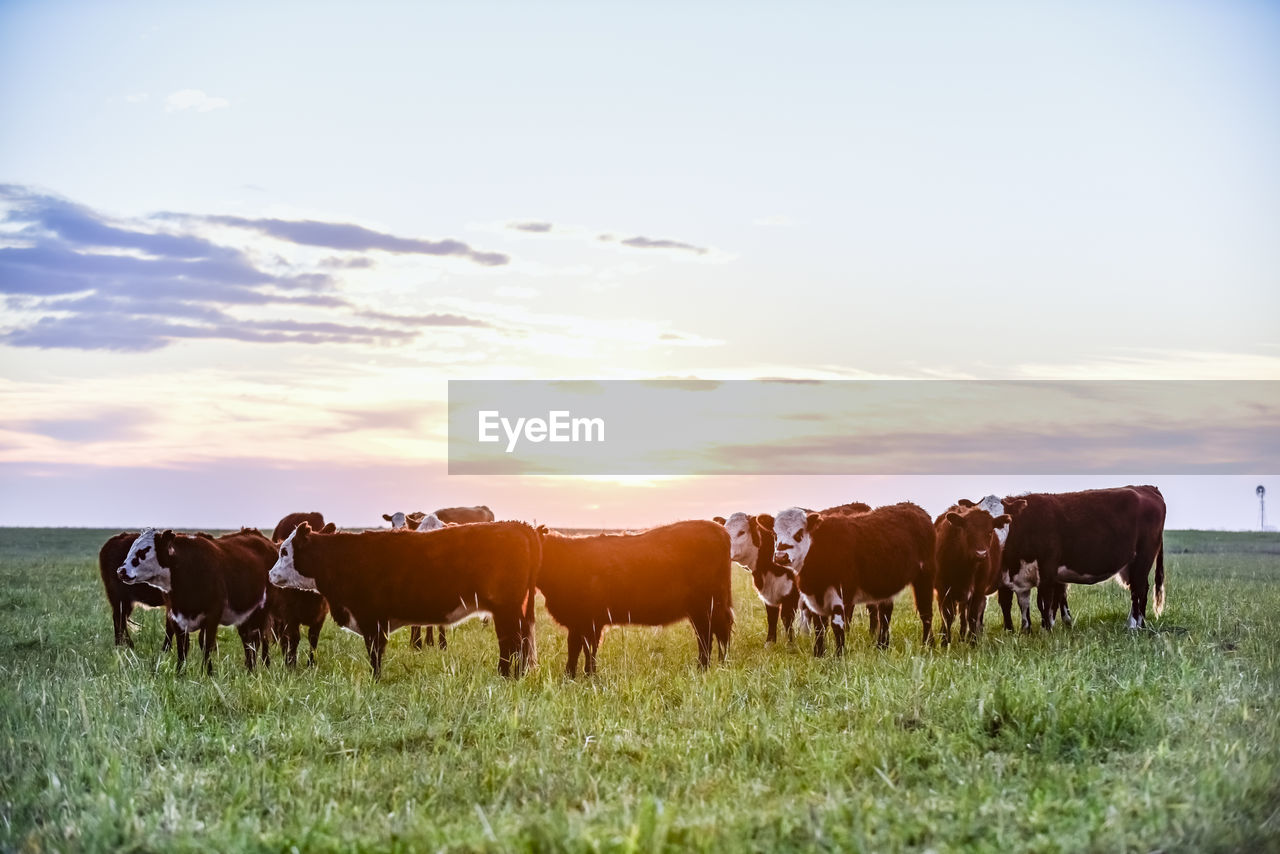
(418, 521)
(289, 609)
(378, 581)
(122, 596)
(286, 525)
(675, 572)
(752, 546)
(1083, 538)
(968, 560)
(843, 560)
(210, 582)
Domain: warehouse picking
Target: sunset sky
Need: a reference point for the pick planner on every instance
(243, 249)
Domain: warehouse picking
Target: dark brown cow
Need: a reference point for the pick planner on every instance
(210, 582)
(293, 520)
(290, 610)
(378, 581)
(846, 559)
(968, 557)
(752, 546)
(1083, 538)
(122, 597)
(464, 515)
(675, 572)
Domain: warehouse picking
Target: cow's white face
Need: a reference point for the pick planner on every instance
(741, 547)
(430, 522)
(141, 565)
(398, 520)
(995, 507)
(791, 538)
(283, 574)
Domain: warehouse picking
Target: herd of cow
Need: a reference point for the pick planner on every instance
(437, 570)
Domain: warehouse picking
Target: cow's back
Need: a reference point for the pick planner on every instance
(286, 525)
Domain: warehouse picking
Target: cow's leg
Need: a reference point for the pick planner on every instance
(923, 589)
(1004, 596)
(1024, 606)
(313, 638)
(789, 619)
(1046, 601)
(947, 607)
(1064, 610)
(884, 614)
(576, 640)
(120, 622)
(819, 634)
(209, 643)
(290, 637)
(702, 629)
(375, 642)
(837, 630)
(507, 626)
(977, 611)
(771, 616)
(440, 641)
(873, 618)
(1139, 586)
(183, 642)
(415, 637)
(593, 647)
(170, 631)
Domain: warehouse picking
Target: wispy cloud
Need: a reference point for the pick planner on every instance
(640, 242)
(193, 99)
(531, 227)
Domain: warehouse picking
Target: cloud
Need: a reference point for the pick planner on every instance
(640, 242)
(193, 99)
(78, 279)
(531, 227)
(355, 238)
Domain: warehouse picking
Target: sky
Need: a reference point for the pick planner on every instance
(243, 249)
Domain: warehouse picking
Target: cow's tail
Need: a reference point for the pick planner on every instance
(1160, 579)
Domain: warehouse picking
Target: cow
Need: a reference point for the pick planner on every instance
(122, 597)
(752, 546)
(210, 582)
(968, 567)
(419, 521)
(846, 559)
(289, 610)
(378, 581)
(655, 578)
(286, 525)
(1083, 538)
(464, 515)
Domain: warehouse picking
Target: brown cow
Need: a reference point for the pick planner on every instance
(968, 558)
(378, 581)
(844, 560)
(1083, 538)
(291, 609)
(122, 597)
(286, 525)
(419, 521)
(675, 572)
(210, 582)
(464, 515)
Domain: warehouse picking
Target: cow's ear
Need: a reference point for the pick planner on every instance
(964, 502)
(1002, 520)
(955, 518)
(164, 544)
(753, 527)
(329, 529)
(813, 522)
(386, 516)
(764, 520)
(302, 531)
(543, 530)
(1014, 506)
(719, 520)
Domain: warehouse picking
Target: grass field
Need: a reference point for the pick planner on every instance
(1089, 738)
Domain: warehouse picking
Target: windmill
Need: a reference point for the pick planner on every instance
(1262, 507)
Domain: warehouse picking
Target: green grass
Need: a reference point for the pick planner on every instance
(1090, 738)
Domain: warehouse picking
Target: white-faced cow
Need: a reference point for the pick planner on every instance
(968, 555)
(675, 572)
(847, 559)
(210, 582)
(752, 546)
(1083, 538)
(379, 581)
(122, 597)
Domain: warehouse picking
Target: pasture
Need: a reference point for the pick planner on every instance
(1088, 738)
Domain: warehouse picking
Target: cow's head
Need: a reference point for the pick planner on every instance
(744, 538)
(285, 572)
(973, 528)
(397, 519)
(793, 531)
(145, 564)
(430, 522)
